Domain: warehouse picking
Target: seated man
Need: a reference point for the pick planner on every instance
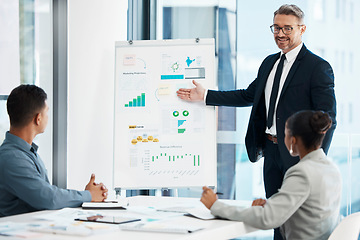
(24, 185)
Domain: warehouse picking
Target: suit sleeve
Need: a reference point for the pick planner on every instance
(235, 98)
(25, 182)
(279, 208)
(323, 96)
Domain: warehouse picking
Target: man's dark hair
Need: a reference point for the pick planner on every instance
(23, 103)
(310, 126)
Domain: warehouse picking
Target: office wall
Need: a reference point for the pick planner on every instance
(93, 27)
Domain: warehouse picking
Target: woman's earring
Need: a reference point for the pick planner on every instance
(291, 151)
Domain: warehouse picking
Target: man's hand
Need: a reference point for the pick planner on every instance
(194, 94)
(208, 197)
(259, 202)
(98, 191)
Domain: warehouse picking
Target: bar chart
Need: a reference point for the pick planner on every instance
(191, 159)
(175, 163)
(138, 101)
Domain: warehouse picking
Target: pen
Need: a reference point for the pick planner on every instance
(219, 193)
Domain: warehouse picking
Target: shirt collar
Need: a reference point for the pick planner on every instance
(20, 142)
(290, 56)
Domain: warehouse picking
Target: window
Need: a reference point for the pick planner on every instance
(351, 62)
(199, 19)
(343, 60)
(238, 177)
(26, 47)
(344, 150)
(4, 119)
(343, 7)
(318, 10)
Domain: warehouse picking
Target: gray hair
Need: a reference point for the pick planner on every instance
(291, 9)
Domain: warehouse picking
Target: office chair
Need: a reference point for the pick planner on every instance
(348, 228)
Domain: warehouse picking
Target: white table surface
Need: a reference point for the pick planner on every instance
(213, 229)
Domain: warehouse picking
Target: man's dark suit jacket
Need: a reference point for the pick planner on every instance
(308, 86)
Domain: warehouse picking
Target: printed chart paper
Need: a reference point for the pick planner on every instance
(161, 141)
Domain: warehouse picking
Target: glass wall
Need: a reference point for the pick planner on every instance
(210, 19)
(243, 39)
(322, 17)
(26, 56)
(254, 42)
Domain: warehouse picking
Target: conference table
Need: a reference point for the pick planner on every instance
(211, 229)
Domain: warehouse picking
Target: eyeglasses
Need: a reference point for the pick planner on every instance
(275, 29)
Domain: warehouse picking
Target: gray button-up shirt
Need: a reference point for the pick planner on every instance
(24, 184)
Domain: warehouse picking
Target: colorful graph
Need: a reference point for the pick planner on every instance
(139, 101)
(191, 159)
(180, 122)
(172, 77)
(181, 130)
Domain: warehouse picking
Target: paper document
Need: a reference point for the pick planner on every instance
(62, 229)
(150, 212)
(62, 222)
(19, 230)
(65, 215)
(74, 228)
(160, 227)
(201, 213)
(175, 209)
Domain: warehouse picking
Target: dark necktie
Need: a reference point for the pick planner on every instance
(274, 92)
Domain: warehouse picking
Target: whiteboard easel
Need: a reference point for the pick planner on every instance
(161, 141)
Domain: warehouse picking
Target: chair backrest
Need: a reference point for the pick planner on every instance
(348, 228)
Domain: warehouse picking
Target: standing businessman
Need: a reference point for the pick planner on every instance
(289, 81)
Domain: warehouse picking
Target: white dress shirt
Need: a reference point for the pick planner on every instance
(290, 59)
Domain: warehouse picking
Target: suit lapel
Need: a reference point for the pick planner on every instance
(293, 69)
(262, 82)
